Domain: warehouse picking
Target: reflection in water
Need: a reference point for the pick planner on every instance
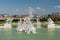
(7, 33)
(19, 33)
(43, 34)
(51, 34)
(51, 30)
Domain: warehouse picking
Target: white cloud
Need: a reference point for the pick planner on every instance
(43, 9)
(38, 8)
(17, 9)
(26, 10)
(57, 6)
(32, 10)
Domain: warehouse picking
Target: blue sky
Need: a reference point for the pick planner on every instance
(21, 6)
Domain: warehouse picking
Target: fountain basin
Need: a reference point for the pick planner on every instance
(6, 25)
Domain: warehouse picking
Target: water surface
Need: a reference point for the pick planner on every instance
(42, 34)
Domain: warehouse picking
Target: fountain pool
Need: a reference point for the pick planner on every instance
(42, 34)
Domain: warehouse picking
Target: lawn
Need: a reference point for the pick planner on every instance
(14, 24)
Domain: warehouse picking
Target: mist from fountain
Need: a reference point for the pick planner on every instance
(38, 23)
(19, 25)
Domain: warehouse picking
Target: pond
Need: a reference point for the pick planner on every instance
(42, 34)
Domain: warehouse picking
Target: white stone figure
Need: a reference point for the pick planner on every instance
(31, 30)
(27, 26)
(38, 23)
(8, 24)
(50, 23)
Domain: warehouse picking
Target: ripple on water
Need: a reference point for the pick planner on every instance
(42, 34)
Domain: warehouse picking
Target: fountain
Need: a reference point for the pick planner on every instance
(27, 26)
(50, 23)
(19, 25)
(8, 24)
(38, 23)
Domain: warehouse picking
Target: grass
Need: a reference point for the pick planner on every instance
(57, 22)
(14, 24)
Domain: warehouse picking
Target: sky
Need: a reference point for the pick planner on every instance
(19, 7)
